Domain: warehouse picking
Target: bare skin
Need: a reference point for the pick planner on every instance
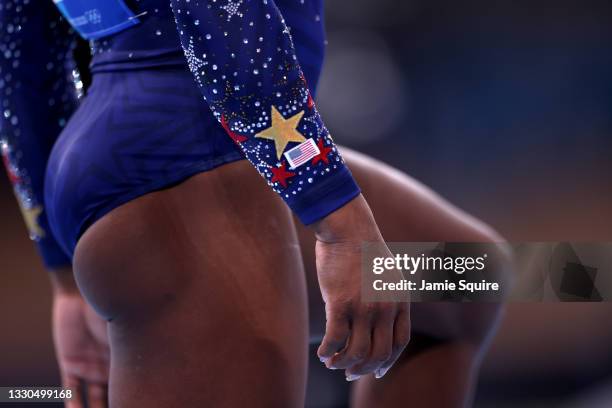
(81, 343)
(219, 300)
(438, 375)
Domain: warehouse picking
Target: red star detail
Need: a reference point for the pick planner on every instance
(281, 174)
(323, 155)
(311, 102)
(14, 178)
(235, 136)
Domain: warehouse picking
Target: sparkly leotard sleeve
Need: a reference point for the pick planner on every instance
(242, 57)
(37, 97)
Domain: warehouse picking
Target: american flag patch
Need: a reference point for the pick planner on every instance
(302, 153)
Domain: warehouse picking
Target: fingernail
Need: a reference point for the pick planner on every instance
(352, 377)
(380, 373)
(329, 365)
(324, 359)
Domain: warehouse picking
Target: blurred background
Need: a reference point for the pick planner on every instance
(505, 109)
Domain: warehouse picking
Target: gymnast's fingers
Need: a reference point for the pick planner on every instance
(97, 395)
(401, 338)
(72, 382)
(382, 343)
(358, 347)
(336, 331)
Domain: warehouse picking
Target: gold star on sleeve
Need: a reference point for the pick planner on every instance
(283, 131)
(30, 215)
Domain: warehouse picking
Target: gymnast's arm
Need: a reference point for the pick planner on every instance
(245, 65)
(37, 97)
(243, 60)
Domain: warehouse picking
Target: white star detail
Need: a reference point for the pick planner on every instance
(232, 9)
(195, 64)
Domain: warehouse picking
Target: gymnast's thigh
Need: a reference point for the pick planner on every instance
(204, 289)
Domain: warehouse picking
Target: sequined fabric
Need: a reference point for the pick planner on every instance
(242, 57)
(37, 96)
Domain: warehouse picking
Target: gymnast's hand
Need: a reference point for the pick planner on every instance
(360, 337)
(81, 344)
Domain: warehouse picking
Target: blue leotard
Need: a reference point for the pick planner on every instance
(145, 124)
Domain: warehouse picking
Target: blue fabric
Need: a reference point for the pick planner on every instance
(144, 124)
(37, 98)
(134, 133)
(242, 56)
